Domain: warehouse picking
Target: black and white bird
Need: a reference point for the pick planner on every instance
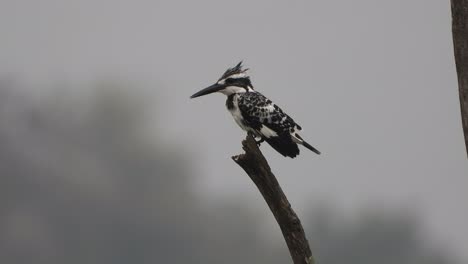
(256, 114)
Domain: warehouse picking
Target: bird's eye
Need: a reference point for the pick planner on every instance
(229, 80)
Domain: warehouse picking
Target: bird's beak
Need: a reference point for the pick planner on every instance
(211, 89)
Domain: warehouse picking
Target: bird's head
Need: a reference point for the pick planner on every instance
(234, 80)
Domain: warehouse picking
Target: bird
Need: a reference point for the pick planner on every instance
(256, 114)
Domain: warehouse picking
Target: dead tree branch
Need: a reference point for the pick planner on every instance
(460, 45)
(256, 166)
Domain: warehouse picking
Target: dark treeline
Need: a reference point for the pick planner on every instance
(81, 183)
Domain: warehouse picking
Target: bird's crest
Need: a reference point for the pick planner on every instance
(236, 70)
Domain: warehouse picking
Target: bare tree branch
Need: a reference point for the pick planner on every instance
(256, 166)
(460, 45)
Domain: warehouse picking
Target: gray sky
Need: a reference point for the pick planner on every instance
(372, 83)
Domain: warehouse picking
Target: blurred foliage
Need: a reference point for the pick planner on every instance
(376, 236)
(81, 183)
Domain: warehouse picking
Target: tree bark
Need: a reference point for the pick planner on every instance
(256, 166)
(460, 45)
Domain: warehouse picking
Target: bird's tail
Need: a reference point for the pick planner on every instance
(284, 145)
(301, 141)
(307, 145)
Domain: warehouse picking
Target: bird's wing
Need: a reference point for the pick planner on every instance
(264, 116)
(269, 121)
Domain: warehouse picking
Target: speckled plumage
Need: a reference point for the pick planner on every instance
(258, 110)
(266, 120)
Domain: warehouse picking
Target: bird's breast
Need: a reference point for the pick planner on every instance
(233, 108)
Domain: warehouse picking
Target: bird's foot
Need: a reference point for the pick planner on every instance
(256, 138)
(259, 141)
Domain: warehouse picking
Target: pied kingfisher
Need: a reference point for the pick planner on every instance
(256, 114)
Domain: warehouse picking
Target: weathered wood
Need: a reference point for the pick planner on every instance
(256, 166)
(460, 45)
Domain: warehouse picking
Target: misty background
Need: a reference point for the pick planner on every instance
(105, 159)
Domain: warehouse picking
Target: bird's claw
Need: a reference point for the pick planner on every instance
(259, 141)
